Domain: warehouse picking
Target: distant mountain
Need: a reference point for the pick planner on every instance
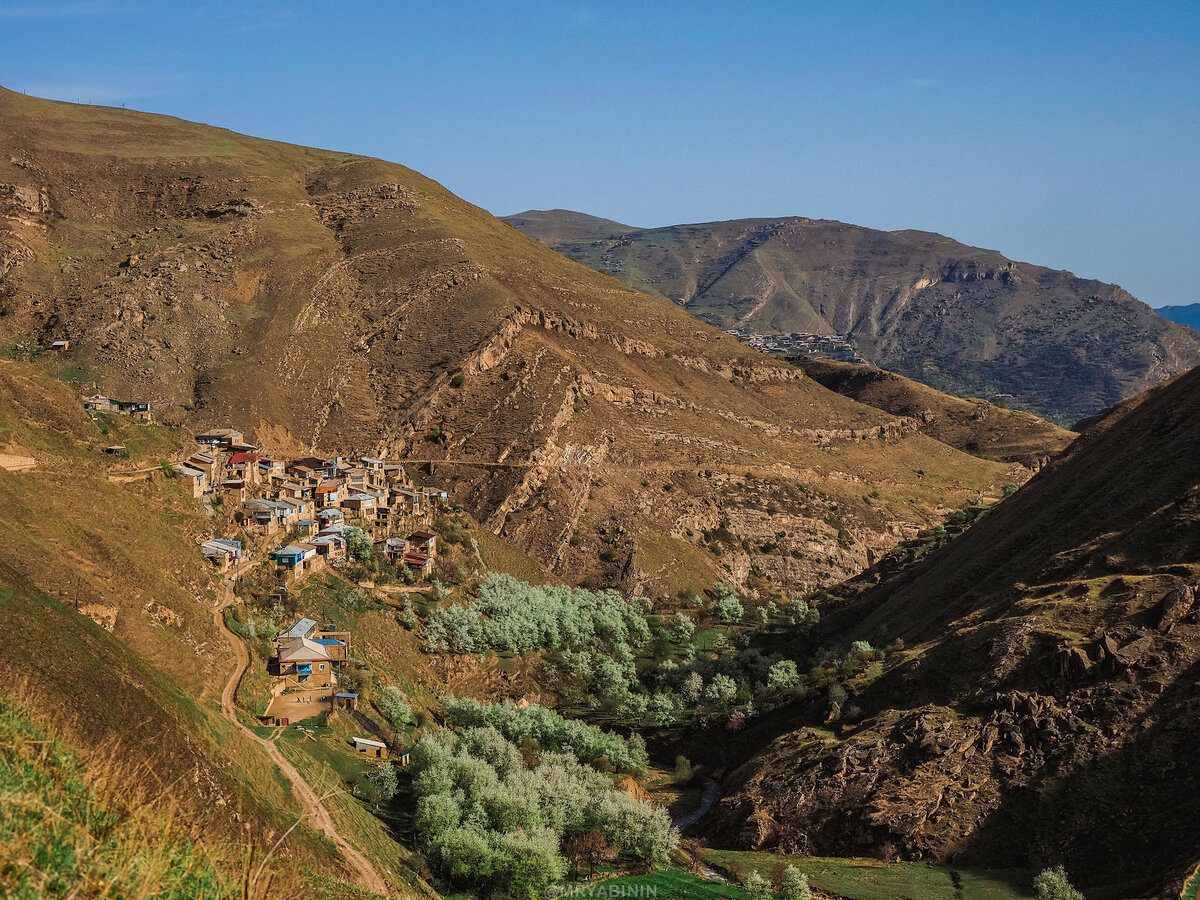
(964, 320)
(552, 226)
(1038, 686)
(1188, 314)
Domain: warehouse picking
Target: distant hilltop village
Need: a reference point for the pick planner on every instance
(814, 346)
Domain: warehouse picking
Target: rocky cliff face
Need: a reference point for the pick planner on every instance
(330, 302)
(961, 319)
(1037, 701)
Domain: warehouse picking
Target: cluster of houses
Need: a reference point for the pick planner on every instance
(315, 501)
(135, 409)
(801, 344)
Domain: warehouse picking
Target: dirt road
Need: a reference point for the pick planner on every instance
(368, 876)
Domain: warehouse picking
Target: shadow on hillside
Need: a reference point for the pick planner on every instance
(1126, 823)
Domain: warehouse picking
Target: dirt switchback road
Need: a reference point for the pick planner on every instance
(368, 876)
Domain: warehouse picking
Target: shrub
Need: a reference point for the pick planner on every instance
(794, 885)
(756, 886)
(1052, 884)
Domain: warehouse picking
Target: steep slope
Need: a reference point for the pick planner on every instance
(973, 426)
(1043, 707)
(105, 608)
(964, 320)
(324, 300)
(1188, 314)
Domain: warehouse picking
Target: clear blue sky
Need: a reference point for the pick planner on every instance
(1066, 134)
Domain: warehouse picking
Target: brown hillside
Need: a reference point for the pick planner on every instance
(1044, 708)
(964, 320)
(552, 226)
(973, 426)
(330, 301)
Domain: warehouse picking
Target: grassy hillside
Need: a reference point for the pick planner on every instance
(964, 320)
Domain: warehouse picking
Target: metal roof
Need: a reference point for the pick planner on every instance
(300, 629)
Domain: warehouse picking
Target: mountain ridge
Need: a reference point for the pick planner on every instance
(962, 319)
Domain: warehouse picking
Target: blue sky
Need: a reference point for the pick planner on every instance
(1066, 134)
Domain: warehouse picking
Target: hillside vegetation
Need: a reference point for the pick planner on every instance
(964, 320)
(1037, 683)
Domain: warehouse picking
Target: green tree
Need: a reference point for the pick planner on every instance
(722, 689)
(358, 545)
(757, 886)
(392, 704)
(794, 885)
(1052, 884)
(782, 675)
(681, 629)
(726, 605)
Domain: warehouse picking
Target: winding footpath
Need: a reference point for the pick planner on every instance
(368, 875)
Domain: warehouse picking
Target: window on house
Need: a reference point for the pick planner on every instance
(321, 667)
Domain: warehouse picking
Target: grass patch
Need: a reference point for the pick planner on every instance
(60, 838)
(868, 879)
(673, 884)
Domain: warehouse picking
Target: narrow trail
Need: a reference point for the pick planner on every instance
(368, 876)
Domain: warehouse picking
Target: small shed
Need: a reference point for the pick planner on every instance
(404, 758)
(377, 749)
(345, 700)
(61, 346)
(115, 450)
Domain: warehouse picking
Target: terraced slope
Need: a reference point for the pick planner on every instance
(329, 301)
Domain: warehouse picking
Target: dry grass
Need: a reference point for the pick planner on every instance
(93, 826)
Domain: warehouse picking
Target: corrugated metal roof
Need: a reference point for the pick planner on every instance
(300, 629)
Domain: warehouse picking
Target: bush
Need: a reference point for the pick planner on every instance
(684, 773)
(794, 885)
(1052, 884)
(756, 886)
